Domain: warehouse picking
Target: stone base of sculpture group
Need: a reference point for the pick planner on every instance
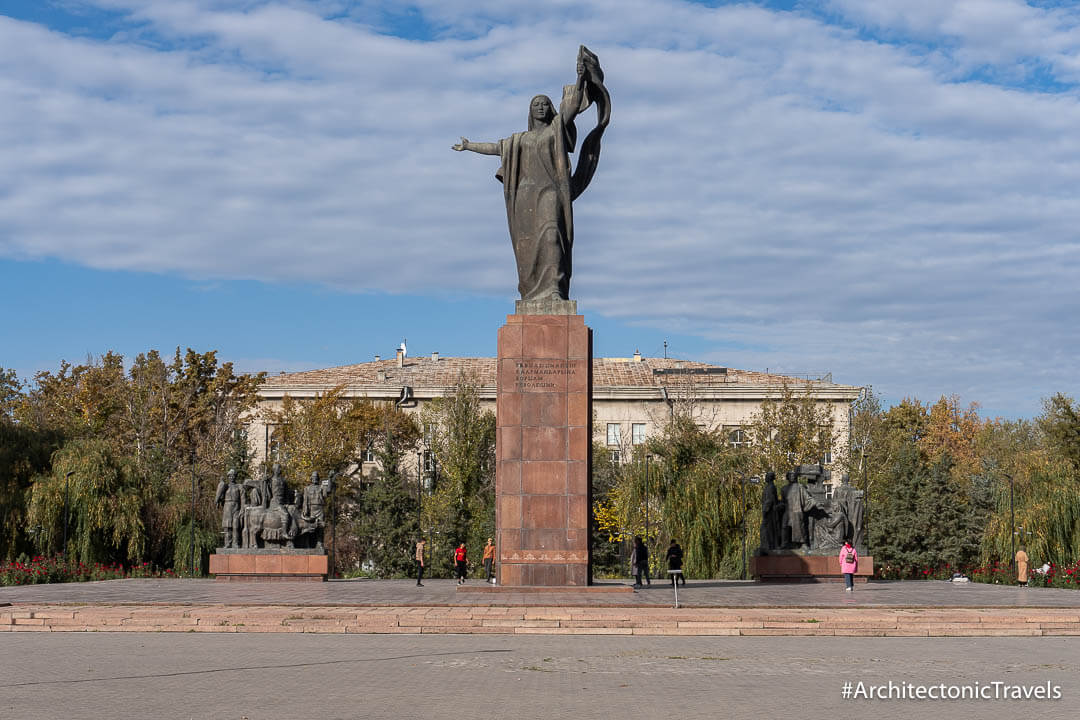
(544, 450)
(583, 590)
(805, 568)
(229, 564)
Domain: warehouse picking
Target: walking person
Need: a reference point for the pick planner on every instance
(489, 561)
(1022, 567)
(639, 562)
(460, 563)
(674, 561)
(420, 544)
(849, 565)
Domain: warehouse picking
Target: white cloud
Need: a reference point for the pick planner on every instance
(999, 33)
(824, 198)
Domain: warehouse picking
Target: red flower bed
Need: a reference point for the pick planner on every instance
(58, 569)
(1067, 576)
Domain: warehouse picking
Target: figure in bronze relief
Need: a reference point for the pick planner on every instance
(230, 498)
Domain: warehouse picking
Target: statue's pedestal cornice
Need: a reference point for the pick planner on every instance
(545, 306)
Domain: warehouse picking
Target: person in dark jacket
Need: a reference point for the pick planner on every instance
(639, 562)
(674, 561)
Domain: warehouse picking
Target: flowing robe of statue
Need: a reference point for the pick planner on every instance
(538, 186)
(797, 503)
(771, 518)
(851, 500)
(830, 527)
(535, 174)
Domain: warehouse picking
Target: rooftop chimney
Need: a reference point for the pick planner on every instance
(637, 356)
(435, 356)
(401, 357)
(378, 358)
(380, 375)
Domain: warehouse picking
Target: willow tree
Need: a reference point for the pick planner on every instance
(1037, 485)
(164, 425)
(24, 453)
(96, 493)
(1045, 505)
(687, 484)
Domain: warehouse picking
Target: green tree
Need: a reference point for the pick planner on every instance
(896, 536)
(1060, 424)
(692, 492)
(793, 430)
(161, 423)
(101, 500)
(461, 505)
(24, 453)
(328, 433)
(927, 521)
(385, 522)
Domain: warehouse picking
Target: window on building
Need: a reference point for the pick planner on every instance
(275, 444)
(826, 446)
(637, 433)
(369, 455)
(613, 435)
(737, 438)
(616, 458)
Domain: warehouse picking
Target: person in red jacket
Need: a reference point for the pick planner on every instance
(849, 565)
(460, 563)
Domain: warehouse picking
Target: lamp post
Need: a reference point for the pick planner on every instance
(753, 481)
(419, 486)
(193, 512)
(67, 479)
(647, 459)
(333, 520)
(1012, 525)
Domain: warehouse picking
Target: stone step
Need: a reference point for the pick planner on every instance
(854, 622)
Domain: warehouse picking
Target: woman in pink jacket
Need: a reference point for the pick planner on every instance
(849, 565)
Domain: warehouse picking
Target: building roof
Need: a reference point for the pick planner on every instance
(430, 372)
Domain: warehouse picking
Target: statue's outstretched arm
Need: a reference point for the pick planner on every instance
(482, 148)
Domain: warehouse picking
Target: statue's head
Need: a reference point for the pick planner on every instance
(315, 478)
(277, 468)
(541, 112)
(789, 476)
(770, 477)
(231, 475)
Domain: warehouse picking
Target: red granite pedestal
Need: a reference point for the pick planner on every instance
(806, 568)
(267, 567)
(544, 448)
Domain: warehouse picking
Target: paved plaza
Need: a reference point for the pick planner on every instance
(926, 609)
(439, 593)
(268, 677)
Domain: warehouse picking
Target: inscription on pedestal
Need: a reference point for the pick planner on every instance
(541, 374)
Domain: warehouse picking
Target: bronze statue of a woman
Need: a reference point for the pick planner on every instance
(538, 185)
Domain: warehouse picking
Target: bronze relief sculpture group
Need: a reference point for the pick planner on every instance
(265, 513)
(805, 519)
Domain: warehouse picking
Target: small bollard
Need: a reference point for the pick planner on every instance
(675, 575)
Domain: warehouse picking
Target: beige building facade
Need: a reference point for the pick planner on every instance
(633, 397)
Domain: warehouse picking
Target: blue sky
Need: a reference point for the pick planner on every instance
(885, 191)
